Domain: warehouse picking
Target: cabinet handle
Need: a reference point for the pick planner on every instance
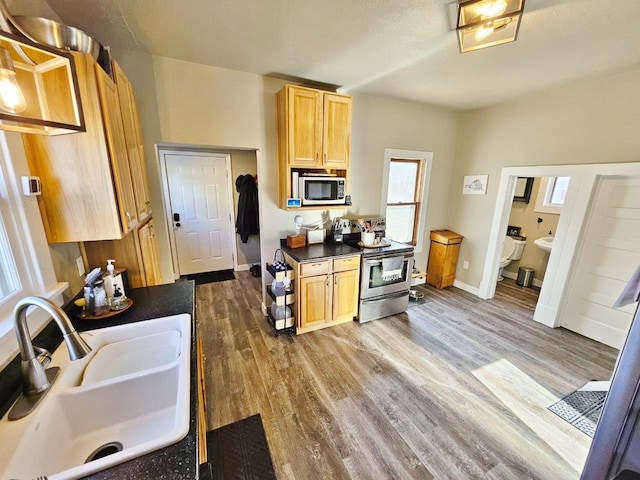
(128, 217)
(327, 281)
(335, 280)
(325, 158)
(317, 156)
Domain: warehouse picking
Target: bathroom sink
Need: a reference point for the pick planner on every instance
(544, 243)
(129, 397)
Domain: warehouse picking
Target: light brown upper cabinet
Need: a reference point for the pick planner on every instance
(314, 134)
(133, 140)
(87, 178)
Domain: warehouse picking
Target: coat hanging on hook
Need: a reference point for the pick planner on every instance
(247, 219)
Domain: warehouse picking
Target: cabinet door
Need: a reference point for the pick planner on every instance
(117, 147)
(78, 201)
(315, 301)
(304, 114)
(133, 140)
(149, 253)
(336, 135)
(345, 295)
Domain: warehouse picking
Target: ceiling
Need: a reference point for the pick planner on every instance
(404, 49)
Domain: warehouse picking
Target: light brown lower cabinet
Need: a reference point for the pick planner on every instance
(137, 252)
(327, 292)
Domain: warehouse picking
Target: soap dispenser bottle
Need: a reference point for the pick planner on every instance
(113, 280)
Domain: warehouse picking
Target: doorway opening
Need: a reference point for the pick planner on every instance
(563, 275)
(202, 200)
(533, 222)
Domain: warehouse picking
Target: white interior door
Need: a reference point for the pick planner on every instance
(201, 211)
(609, 256)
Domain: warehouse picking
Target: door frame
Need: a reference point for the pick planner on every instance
(166, 200)
(576, 212)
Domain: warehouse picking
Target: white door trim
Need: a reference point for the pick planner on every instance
(166, 200)
(578, 203)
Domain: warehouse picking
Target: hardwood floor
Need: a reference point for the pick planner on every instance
(455, 388)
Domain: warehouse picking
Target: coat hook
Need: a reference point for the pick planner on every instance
(539, 220)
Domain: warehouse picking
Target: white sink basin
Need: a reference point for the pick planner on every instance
(544, 243)
(128, 397)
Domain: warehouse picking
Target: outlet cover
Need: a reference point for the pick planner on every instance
(80, 266)
(465, 264)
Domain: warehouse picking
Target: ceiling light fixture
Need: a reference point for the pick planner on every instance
(485, 23)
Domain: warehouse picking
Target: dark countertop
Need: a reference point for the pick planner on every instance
(175, 462)
(320, 250)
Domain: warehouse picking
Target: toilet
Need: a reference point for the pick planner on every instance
(511, 250)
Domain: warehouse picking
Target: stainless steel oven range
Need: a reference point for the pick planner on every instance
(385, 277)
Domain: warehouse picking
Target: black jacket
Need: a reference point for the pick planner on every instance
(247, 221)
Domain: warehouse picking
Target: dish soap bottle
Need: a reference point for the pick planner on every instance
(113, 280)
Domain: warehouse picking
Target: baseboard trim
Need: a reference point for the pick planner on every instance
(467, 288)
(264, 309)
(243, 267)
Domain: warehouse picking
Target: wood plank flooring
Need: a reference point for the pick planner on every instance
(455, 388)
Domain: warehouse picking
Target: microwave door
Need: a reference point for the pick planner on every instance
(320, 190)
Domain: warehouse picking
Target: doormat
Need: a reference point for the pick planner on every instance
(581, 409)
(239, 451)
(211, 277)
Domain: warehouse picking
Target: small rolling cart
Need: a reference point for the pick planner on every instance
(280, 314)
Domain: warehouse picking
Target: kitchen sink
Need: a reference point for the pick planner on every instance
(128, 397)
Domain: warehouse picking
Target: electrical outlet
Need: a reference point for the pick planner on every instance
(465, 264)
(80, 266)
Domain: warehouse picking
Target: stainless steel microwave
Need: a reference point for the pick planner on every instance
(321, 190)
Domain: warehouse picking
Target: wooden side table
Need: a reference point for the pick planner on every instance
(443, 258)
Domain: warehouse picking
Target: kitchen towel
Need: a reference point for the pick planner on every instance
(392, 268)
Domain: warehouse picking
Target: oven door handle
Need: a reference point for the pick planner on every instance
(404, 293)
(379, 262)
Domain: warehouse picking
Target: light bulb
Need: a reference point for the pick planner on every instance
(483, 32)
(494, 9)
(11, 97)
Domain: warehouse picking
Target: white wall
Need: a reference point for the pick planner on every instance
(203, 105)
(591, 122)
(380, 123)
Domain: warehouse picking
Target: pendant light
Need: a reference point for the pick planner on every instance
(11, 97)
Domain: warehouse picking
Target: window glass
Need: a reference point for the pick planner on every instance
(8, 272)
(559, 190)
(406, 179)
(400, 222)
(402, 181)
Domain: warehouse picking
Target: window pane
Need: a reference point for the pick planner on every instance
(400, 220)
(8, 276)
(402, 182)
(559, 192)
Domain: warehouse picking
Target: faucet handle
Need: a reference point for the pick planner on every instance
(44, 356)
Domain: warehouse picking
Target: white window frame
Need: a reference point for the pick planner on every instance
(543, 203)
(427, 157)
(28, 244)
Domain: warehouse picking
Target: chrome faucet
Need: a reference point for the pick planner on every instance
(37, 380)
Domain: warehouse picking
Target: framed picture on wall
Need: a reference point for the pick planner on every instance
(475, 184)
(524, 185)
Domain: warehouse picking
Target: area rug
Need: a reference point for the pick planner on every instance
(581, 409)
(210, 277)
(239, 451)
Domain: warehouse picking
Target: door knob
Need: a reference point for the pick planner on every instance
(176, 219)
